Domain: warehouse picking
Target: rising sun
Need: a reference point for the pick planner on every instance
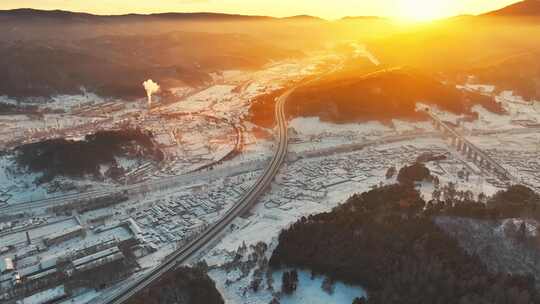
(421, 10)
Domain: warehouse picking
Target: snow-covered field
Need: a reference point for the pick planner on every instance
(310, 291)
(519, 113)
(15, 186)
(231, 96)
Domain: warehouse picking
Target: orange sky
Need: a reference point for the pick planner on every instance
(331, 9)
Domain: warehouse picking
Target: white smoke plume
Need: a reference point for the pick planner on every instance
(151, 88)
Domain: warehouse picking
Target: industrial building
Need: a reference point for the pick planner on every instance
(98, 259)
(64, 235)
(45, 297)
(6, 265)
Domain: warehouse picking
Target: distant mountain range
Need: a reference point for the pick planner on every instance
(46, 53)
(523, 8)
(87, 17)
(202, 16)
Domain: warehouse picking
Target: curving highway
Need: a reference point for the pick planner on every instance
(245, 203)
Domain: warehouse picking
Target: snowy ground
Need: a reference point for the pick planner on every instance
(15, 186)
(311, 134)
(231, 96)
(309, 290)
(520, 113)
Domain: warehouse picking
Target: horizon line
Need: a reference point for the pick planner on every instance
(235, 14)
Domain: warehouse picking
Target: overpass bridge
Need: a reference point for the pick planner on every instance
(470, 151)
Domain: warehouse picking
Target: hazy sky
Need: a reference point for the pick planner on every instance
(418, 9)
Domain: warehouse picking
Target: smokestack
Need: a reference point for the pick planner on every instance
(151, 88)
(28, 238)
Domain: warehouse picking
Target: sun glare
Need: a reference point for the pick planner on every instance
(421, 10)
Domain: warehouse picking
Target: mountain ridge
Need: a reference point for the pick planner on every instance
(526, 8)
(203, 16)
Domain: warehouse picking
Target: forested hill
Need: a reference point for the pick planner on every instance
(186, 286)
(385, 241)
